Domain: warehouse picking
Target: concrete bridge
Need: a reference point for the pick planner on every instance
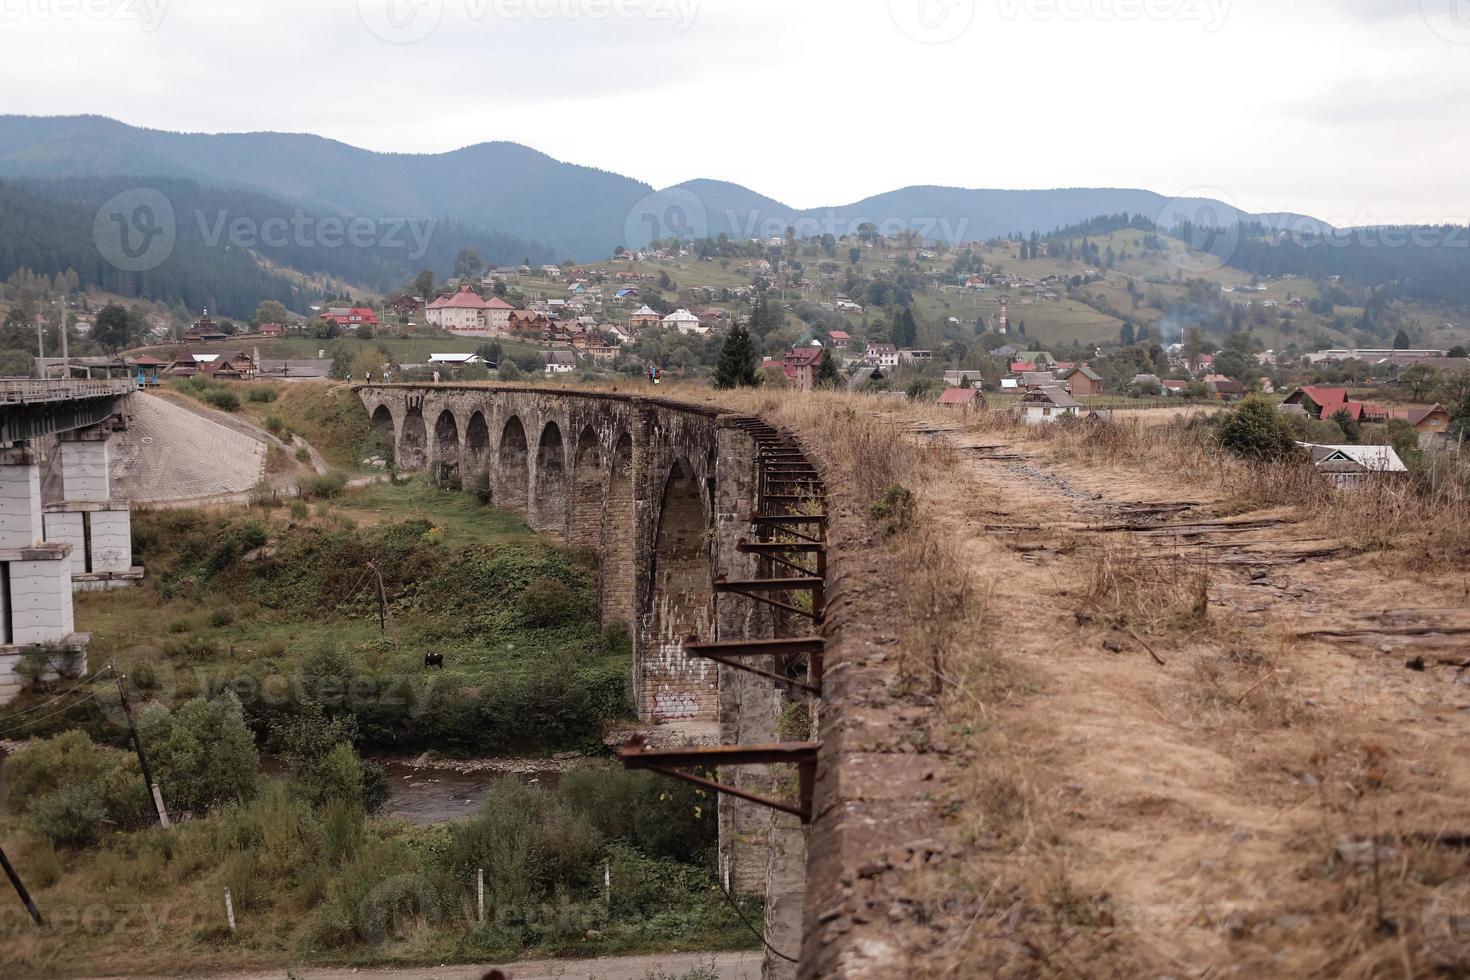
(82, 541)
(667, 493)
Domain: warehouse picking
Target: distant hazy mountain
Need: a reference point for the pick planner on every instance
(501, 187)
(226, 248)
(577, 211)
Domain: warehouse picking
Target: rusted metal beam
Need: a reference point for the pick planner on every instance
(730, 653)
(778, 552)
(671, 762)
(791, 497)
(762, 672)
(778, 646)
(766, 547)
(768, 584)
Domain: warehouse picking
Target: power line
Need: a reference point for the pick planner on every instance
(80, 684)
(53, 714)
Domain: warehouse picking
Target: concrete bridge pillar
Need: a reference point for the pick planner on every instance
(35, 579)
(98, 528)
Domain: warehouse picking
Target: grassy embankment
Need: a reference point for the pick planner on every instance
(279, 609)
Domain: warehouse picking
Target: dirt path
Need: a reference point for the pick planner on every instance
(1182, 779)
(668, 966)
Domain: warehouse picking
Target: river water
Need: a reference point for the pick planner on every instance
(435, 792)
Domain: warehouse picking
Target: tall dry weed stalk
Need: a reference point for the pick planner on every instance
(1147, 592)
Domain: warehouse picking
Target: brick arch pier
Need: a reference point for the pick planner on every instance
(667, 492)
(649, 484)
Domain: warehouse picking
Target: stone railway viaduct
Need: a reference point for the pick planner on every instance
(664, 492)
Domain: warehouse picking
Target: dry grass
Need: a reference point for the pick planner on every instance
(1203, 818)
(1151, 594)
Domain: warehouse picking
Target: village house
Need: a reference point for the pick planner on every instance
(910, 356)
(497, 316)
(204, 328)
(559, 361)
(459, 312)
(235, 366)
(590, 344)
(406, 305)
(454, 360)
(800, 366)
(1432, 423)
(684, 322)
(1082, 380)
(839, 338)
(643, 317)
(962, 398)
(964, 379)
(1224, 389)
(1047, 404)
(351, 317)
(526, 325)
(272, 330)
(1347, 467)
(882, 355)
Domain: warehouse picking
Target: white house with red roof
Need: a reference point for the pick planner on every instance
(460, 312)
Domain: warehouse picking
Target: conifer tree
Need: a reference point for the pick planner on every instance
(736, 365)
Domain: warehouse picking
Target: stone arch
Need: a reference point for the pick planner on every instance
(446, 447)
(584, 528)
(549, 502)
(413, 441)
(476, 454)
(616, 576)
(676, 687)
(513, 466)
(382, 439)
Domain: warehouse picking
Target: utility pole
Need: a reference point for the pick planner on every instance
(20, 890)
(65, 357)
(40, 347)
(382, 599)
(153, 790)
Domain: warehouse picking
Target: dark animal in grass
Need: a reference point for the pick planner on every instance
(434, 660)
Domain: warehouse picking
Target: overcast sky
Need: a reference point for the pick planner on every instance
(1349, 110)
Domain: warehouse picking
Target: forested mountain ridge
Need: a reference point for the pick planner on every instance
(233, 248)
(580, 212)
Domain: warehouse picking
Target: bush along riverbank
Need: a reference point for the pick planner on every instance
(326, 612)
(304, 634)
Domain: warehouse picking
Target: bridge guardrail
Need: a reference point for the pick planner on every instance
(20, 392)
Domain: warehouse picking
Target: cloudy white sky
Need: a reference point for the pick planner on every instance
(1349, 110)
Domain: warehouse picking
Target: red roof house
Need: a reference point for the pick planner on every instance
(961, 398)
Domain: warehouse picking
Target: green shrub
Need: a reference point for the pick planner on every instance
(303, 455)
(1255, 430)
(662, 818)
(262, 393)
(323, 486)
(274, 424)
(895, 509)
(547, 601)
(222, 399)
(222, 617)
(71, 816)
(202, 753)
(194, 649)
(299, 510)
